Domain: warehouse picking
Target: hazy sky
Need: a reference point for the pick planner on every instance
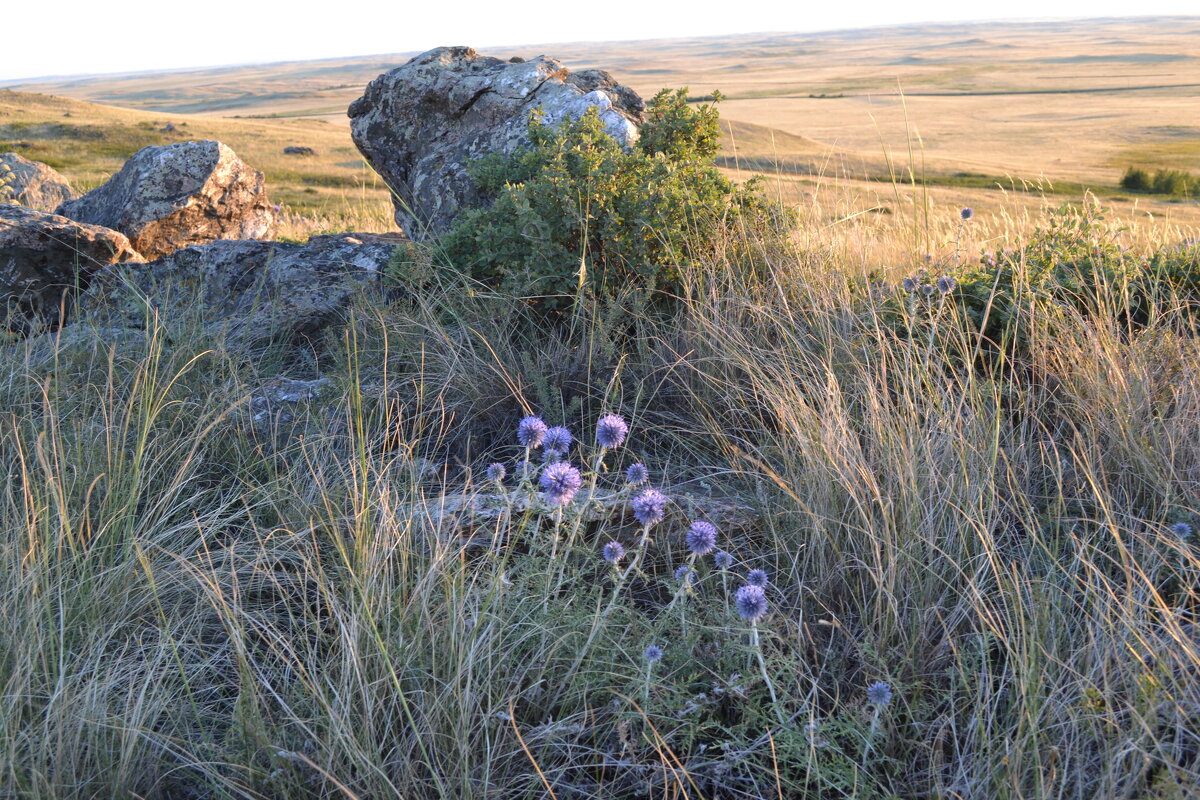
(76, 37)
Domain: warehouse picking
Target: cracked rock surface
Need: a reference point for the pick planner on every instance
(36, 185)
(420, 125)
(44, 258)
(172, 196)
(246, 292)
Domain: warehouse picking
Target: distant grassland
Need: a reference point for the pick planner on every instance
(996, 116)
(88, 143)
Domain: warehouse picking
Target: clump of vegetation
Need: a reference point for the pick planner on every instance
(576, 212)
(1071, 267)
(825, 553)
(1174, 182)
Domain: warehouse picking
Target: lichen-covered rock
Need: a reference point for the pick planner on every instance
(420, 125)
(44, 258)
(246, 292)
(176, 195)
(33, 184)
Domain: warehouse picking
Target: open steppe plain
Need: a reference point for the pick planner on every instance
(1004, 117)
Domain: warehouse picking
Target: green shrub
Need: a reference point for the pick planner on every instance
(575, 212)
(1073, 264)
(1137, 180)
(1172, 182)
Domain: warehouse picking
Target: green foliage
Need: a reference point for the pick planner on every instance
(1174, 182)
(1073, 262)
(576, 212)
(1136, 179)
(1072, 267)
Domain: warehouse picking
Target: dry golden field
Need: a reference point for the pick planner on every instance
(1005, 117)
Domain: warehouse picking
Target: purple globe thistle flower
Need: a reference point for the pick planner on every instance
(909, 284)
(612, 552)
(966, 213)
(561, 481)
(684, 573)
(653, 654)
(531, 431)
(751, 602)
(928, 290)
(946, 284)
(496, 472)
(723, 559)
(757, 577)
(879, 694)
(558, 439)
(1182, 530)
(637, 474)
(701, 538)
(611, 431)
(650, 506)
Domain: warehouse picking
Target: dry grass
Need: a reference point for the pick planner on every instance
(190, 610)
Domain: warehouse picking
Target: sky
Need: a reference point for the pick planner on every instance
(142, 35)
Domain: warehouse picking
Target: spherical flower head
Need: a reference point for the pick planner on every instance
(946, 284)
(909, 284)
(650, 506)
(684, 573)
(701, 537)
(560, 481)
(757, 577)
(637, 474)
(879, 694)
(531, 431)
(612, 552)
(653, 654)
(611, 431)
(928, 290)
(966, 213)
(723, 559)
(496, 472)
(751, 602)
(558, 439)
(1182, 530)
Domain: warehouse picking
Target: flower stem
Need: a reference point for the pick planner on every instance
(762, 665)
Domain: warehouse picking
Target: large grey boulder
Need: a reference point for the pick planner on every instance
(44, 258)
(246, 292)
(33, 184)
(175, 195)
(420, 125)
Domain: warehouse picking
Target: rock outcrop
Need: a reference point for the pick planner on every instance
(44, 258)
(35, 185)
(420, 125)
(176, 195)
(247, 292)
